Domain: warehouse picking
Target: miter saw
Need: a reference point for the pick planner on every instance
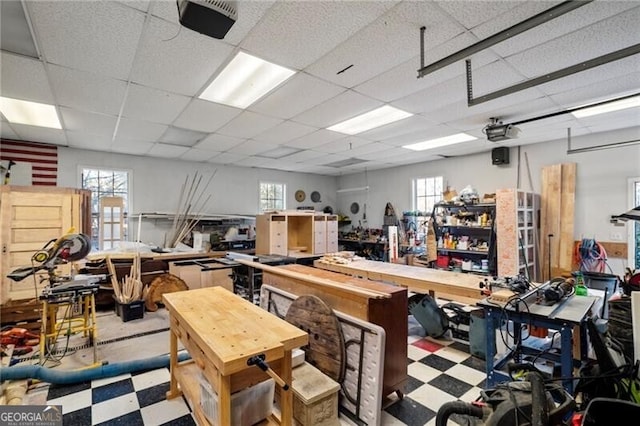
(70, 247)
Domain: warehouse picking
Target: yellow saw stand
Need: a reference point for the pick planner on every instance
(77, 299)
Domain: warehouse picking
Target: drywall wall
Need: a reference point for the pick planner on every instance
(156, 185)
(601, 183)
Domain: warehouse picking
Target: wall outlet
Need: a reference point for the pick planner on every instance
(616, 236)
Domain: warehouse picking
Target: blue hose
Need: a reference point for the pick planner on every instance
(67, 377)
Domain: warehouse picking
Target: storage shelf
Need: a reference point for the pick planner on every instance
(481, 228)
(482, 252)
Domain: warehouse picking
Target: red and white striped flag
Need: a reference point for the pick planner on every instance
(43, 159)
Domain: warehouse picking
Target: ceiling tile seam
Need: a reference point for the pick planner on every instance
(145, 26)
(45, 65)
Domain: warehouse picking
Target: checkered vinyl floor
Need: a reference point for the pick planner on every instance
(440, 370)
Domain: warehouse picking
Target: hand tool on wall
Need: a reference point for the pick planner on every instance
(258, 360)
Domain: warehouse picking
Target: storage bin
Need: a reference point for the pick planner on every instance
(248, 406)
(129, 311)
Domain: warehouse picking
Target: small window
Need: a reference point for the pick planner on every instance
(106, 185)
(272, 196)
(426, 193)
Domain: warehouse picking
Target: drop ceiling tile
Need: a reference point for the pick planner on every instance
(326, 159)
(248, 124)
(220, 143)
(97, 124)
(254, 162)
(298, 94)
(86, 139)
(100, 37)
(249, 14)
(180, 63)
(315, 139)
(605, 89)
(85, 90)
(206, 116)
(342, 107)
(368, 149)
(472, 14)
(295, 34)
(322, 170)
(166, 150)
(142, 5)
(383, 154)
(226, 158)
(588, 14)
(303, 156)
(403, 79)
(138, 129)
(342, 145)
(252, 147)
(24, 78)
(284, 132)
(130, 146)
(40, 134)
(183, 137)
(587, 43)
(6, 132)
(145, 103)
(195, 154)
(411, 124)
(389, 41)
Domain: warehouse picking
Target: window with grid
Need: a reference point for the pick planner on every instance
(427, 192)
(103, 184)
(272, 196)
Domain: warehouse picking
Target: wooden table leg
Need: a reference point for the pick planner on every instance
(173, 364)
(224, 397)
(286, 397)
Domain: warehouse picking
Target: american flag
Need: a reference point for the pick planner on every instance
(43, 159)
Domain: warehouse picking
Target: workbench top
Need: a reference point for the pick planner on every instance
(229, 329)
(415, 278)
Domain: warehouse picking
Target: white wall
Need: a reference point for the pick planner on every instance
(601, 186)
(601, 183)
(156, 184)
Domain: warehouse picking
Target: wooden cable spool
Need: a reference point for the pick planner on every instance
(326, 349)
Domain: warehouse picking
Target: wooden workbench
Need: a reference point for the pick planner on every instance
(453, 285)
(221, 331)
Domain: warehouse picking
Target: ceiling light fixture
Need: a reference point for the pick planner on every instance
(245, 80)
(440, 142)
(31, 113)
(370, 120)
(587, 111)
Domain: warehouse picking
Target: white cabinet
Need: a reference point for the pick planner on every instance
(517, 232)
(319, 234)
(332, 234)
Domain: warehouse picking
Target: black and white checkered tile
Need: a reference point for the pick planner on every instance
(440, 370)
(128, 399)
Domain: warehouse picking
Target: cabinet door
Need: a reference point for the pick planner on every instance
(319, 235)
(29, 221)
(332, 234)
(278, 235)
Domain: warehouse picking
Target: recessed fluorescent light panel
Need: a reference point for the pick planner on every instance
(245, 80)
(31, 113)
(608, 107)
(370, 120)
(440, 142)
